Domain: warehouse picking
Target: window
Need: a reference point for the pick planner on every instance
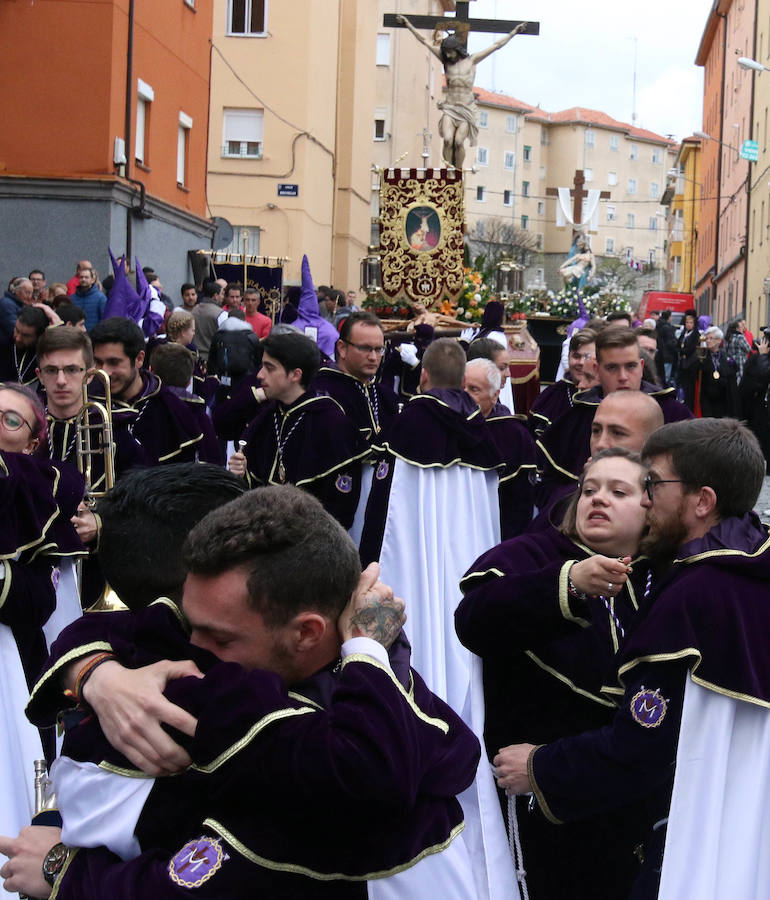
(542, 172)
(383, 50)
(611, 213)
(510, 124)
(246, 17)
(525, 189)
(656, 155)
(614, 143)
(590, 138)
(481, 194)
(379, 129)
(525, 223)
(482, 156)
(543, 137)
(609, 245)
(628, 254)
(631, 186)
(144, 98)
(527, 153)
(653, 223)
(509, 160)
(507, 201)
(588, 174)
(654, 190)
(612, 178)
(541, 207)
(236, 245)
(538, 241)
(183, 148)
(633, 152)
(630, 220)
(483, 118)
(242, 133)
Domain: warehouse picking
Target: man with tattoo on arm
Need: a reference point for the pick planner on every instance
(310, 792)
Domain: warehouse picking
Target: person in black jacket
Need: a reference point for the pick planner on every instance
(753, 392)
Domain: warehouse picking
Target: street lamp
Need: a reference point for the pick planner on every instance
(707, 137)
(746, 63)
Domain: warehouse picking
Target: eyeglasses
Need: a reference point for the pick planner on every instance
(366, 348)
(651, 483)
(12, 421)
(68, 371)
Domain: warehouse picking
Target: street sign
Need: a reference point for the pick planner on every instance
(750, 150)
(288, 190)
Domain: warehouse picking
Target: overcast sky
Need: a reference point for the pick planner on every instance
(584, 56)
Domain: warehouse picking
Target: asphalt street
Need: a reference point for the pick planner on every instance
(763, 504)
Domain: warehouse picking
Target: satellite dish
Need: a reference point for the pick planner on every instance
(223, 236)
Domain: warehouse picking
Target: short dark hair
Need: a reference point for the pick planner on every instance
(119, 330)
(70, 314)
(37, 272)
(665, 314)
(361, 317)
(54, 339)
(718, 453)
(569, 522)
(296, 555)
(186, 287)
(145, 520)
(484, 348)
(618, 314)
(444, 361)
(233, 286)
(173, 363)
(294, 350)
(33, 317)
(581, 338)
(615, 339)
(211, 289)
(692, 313)
(643, 331)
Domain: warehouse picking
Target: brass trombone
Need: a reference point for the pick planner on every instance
(94, 437)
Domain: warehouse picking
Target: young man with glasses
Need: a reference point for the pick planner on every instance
(352, 381)
(693, 684)
(64, 358)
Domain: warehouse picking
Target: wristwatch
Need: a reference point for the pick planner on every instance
(54, 862)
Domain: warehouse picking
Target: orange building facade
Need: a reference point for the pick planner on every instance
(82, 169)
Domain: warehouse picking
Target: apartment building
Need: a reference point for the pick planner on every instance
(524, 150)
(104, 137)
(299, 116)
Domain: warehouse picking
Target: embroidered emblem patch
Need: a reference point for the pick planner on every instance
(382, 471)
(649, 707)
(344, 484)
(196, 862)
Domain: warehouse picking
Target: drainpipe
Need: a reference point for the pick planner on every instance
(127, 126)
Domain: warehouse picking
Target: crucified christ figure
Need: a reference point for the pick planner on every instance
(458, 119)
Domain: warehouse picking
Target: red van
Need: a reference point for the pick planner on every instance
(657, 301)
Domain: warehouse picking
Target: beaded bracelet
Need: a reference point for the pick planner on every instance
(86, 672)
(580, 595)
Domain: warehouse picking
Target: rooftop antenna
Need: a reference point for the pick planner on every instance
(634, 116)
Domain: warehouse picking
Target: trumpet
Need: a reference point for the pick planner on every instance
(94, 438)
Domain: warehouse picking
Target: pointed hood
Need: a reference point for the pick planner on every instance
(310, 316)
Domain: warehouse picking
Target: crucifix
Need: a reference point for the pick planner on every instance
(578, 195)
(458, 108)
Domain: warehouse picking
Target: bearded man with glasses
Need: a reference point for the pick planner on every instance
(691, 735)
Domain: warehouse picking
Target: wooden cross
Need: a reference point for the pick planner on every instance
(461, 23)
(578, 195)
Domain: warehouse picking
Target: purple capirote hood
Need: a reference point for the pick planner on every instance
(310, 316)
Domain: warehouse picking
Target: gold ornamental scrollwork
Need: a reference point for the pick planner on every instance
(421, 234)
